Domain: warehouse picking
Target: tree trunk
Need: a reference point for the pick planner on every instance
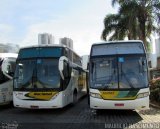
(143, 35)
(129, 36)
(142, 22)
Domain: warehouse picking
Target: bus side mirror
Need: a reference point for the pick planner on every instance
(61, 66)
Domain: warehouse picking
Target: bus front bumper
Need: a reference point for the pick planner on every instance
(140, 104)
(32, 104)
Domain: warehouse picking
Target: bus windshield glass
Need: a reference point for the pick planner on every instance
(104, 73)
(127, 71)
(37, 74)
(133, 72)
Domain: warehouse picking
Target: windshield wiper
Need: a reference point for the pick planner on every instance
(130, 84)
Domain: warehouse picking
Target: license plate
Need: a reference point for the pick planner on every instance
(34, 107)
(119, 104)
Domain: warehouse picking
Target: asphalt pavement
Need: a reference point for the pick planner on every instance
(78, 116)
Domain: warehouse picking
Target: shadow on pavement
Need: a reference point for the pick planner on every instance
(6, 106)
(56, 111)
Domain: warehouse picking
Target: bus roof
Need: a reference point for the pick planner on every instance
(49, 45)
(44, 45)
(118, 41)
(4, 55)
(118, 47)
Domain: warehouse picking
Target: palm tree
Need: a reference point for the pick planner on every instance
(142, 18)
(118, 26)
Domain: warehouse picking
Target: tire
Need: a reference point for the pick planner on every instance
(88, 97)
(74, 98)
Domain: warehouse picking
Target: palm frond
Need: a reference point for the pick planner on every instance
(136, 19)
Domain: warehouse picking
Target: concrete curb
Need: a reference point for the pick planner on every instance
(155, 106)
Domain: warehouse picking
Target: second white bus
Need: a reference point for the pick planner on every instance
(118, 76)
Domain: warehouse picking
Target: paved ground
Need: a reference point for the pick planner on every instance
(77, 117)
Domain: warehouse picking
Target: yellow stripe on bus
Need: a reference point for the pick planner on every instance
(41, 95)
(113, 95)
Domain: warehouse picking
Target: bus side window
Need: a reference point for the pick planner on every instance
(68, 53)
(2, 77)
(11, 67)
(8, 67)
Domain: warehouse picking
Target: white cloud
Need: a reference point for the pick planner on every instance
(83, 35)
(5, 30)
(5, 27)
(84, 25)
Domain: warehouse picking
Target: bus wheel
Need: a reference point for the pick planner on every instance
(74, 97)
(88, 97)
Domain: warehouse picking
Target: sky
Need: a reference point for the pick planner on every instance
(81, 20)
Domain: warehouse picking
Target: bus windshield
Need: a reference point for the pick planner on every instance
(37, 74)
(104, 72)
(133, 72)
(127, 71)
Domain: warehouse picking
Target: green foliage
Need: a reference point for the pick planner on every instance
(155, 90)
(136, 19)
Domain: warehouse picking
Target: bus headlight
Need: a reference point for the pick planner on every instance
(95, 95)
(142, 95)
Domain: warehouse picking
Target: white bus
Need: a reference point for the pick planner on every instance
(48, 77)
(118, 76)
(7, 67)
